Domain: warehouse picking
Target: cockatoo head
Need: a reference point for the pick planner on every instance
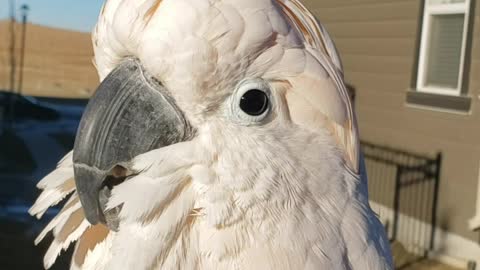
(233, 104)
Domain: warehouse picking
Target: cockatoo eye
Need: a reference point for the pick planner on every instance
(254, 102)
(251, 103)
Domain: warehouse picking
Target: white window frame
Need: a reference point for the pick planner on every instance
(429, 11)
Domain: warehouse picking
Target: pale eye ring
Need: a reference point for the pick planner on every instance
(251, 102)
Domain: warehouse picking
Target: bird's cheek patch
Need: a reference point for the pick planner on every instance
(321, 95)
(318, 105)
(322, 111)
(302, 113)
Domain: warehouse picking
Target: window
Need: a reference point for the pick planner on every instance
(443, 46)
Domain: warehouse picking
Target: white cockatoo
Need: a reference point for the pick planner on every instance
(221, 137)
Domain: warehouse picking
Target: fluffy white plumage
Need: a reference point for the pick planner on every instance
(285, 194)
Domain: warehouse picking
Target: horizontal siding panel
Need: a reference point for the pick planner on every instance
(474, 77)
(418, 123)
(377, 29)
(320, 4)
(400, 47)
(378, 11)
(379, 65)
(364, 81)
(381, 100)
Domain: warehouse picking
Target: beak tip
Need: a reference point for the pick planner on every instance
(88, 181)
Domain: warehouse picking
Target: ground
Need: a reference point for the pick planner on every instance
(406, 261)
(429, 265)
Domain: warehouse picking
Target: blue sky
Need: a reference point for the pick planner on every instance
(79, 15)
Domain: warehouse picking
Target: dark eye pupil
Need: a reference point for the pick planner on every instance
(254, 102)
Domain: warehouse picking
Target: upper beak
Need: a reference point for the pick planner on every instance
(130, 114)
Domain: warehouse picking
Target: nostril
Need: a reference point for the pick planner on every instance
(117, 176)
(119, 171)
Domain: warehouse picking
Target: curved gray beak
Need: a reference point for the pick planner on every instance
(130, 114)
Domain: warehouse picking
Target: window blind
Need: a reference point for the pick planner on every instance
(445, 49)
(439, 2)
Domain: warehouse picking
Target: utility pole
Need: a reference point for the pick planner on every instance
(25, 10)
(11, 100)
(12, 45)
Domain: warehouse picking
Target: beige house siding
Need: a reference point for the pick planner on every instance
(377, 40)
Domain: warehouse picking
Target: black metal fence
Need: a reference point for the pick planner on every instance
(404, 193)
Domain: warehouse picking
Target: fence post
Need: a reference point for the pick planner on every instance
(396, 202)
(438, 166)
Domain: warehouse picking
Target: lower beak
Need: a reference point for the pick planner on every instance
(130, 114)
